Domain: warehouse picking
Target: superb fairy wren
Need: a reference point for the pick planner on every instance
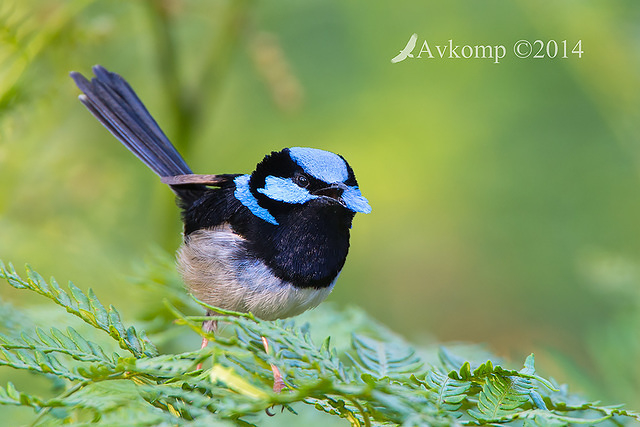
(272, 242)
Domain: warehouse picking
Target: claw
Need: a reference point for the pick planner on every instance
(271, 414)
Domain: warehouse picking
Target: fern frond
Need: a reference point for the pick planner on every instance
(86, 307)
(503, 390)
(165, 366)
(71, 344)
(116, 402)
(373, 390)
(501, 396)
(543, 418)
(383, 359)
(337, 407)
(37, 361)
(292, 346)
(11, 396)
(449, 393)
(559, 405)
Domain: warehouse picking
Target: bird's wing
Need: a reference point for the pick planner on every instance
(190, 179)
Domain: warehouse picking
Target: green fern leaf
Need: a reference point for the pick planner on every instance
(11, 396)
(87, 308)
(163, 366)
(81, 300)
(335, 407)
(543, 418)
(99, 312)
(484, 370)
(383, 359)
(501, 396)
(449, 393)
(529, 371)
(374, 390)
(60, 296)
(70, 344)
(118, 402)
(38, 362)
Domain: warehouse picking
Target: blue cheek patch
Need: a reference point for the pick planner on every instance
(285, 190)
(243, 194)
(320, 164)
(353, 198)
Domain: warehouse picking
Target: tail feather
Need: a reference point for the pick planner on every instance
(114, 103)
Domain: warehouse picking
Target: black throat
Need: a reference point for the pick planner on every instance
(309, 246)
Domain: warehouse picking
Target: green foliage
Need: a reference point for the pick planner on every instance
(86, 307)
(478, 179)
(379, 380)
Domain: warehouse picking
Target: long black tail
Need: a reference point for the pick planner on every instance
(114, 103)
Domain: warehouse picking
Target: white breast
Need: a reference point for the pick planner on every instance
(216, 268)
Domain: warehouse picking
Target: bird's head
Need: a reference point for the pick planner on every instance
(295, 177)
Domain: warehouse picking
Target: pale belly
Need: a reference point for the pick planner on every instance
(215, 270)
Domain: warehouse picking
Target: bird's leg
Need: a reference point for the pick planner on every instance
(278, 382)
(207, 326)
(212, 326)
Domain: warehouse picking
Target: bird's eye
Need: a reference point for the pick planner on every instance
(301, 180)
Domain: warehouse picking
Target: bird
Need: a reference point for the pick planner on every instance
(271, 242)
(406, 52)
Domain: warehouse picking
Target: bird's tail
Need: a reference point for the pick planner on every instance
(112, 101)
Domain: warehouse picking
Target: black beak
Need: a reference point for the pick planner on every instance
(333, 192)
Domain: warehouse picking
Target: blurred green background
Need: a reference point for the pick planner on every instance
(506, 202)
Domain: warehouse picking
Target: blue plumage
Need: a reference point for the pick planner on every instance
(285, 190)
(355, 201)
(320, 164)
(244, 195)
